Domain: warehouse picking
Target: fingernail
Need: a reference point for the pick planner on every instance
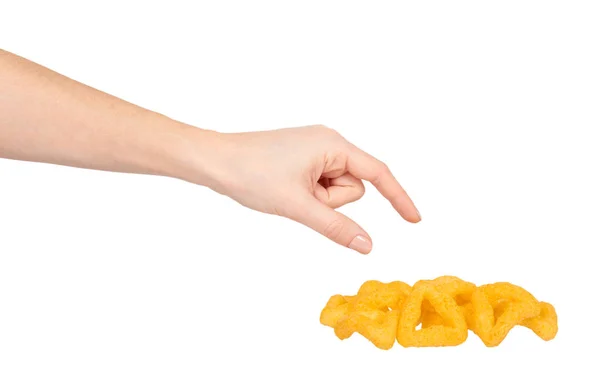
(360, 244)
(418, 213)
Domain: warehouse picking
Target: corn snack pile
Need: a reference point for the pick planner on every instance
(446, 308)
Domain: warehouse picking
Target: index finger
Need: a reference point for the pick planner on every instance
(366, 167)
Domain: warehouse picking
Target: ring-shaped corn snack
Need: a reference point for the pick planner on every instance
(451, 332)
(516, 306)
(373, 312)
(458, 289)
(445, 307)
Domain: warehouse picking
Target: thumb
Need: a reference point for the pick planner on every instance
(333, 225)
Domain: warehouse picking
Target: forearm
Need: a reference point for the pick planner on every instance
(46, 117)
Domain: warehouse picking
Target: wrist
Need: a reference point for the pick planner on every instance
(192, 154)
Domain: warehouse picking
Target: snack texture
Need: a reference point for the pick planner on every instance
(446, 308)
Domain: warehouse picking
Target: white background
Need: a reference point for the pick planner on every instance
(487, 112)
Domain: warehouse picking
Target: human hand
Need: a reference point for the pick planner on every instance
(303, 174)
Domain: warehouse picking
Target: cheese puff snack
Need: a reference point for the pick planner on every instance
(373, 312)
(545, 325)
(498, 307)
(445, 307)
(456, 288)
(336, 308)
(451, 332)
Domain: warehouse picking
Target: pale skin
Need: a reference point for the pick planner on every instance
(304, 174)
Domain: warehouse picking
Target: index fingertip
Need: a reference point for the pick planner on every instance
(419, 218)
(410, 213)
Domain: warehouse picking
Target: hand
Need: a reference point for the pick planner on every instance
(304, 174)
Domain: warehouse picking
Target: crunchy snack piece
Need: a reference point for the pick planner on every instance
(446, 307)
(458, 289)
(377, 326)
(383, 295)
(453, 330)
(336, 308)
(544, 325)
(451, 285)
(373, 312)
(515, 303)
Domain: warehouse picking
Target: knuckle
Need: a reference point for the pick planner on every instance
(327, 130)
(334, 229)
(382, 172)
